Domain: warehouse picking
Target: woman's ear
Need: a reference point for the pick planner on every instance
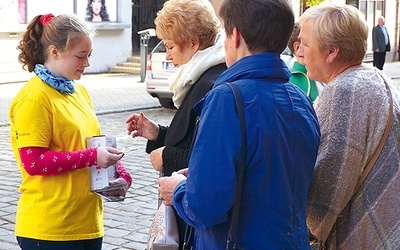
(195, 44)
(53, 51)
(296, 46)
(236, 36)
(333, 54)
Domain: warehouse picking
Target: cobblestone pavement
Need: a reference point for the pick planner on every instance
(126, 223)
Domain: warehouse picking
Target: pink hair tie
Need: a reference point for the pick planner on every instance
(45, 19)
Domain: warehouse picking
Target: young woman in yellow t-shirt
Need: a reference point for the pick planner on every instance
(50, 120)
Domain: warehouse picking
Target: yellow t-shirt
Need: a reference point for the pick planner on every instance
(57, 207)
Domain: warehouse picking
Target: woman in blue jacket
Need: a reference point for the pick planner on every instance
(282, 138)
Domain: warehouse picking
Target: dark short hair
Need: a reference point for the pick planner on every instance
(294, 37)
(265, 25)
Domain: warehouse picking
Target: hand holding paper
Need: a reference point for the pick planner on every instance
(107, 156)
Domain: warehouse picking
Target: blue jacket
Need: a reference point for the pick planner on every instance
(281, 148)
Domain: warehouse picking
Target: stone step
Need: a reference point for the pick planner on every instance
(130, 64)
(134, 59)
(369, 57)
(123, 69)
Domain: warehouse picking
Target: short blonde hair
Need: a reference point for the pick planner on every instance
(183, 20)
(339, 25)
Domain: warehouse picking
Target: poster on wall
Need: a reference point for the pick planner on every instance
(40, 7)
(97, 10)
(12, 13)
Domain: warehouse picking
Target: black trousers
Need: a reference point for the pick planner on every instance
(33, 244)
(379, 59)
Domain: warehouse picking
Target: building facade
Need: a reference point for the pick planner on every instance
(111, 45)
(117, 37)
(371, 9)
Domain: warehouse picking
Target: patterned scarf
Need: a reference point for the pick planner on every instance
(61, 84)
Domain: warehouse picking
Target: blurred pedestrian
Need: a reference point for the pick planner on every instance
(380, 43)
(353, 111)
(299, 72)
(190, 31)
(50, 119)
(282, 137)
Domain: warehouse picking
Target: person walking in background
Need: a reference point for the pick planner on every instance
(353, 111)
(282, 138)
(50, 120)
(96, 11)
(190, 31)
(299, 72)
(380, 43)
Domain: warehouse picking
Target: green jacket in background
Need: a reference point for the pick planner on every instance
(300, 79)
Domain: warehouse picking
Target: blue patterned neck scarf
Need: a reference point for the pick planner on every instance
(61, 84)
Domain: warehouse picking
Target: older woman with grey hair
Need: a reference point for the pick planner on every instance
(353, 111)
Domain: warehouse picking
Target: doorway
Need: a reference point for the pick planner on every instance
(143, 14)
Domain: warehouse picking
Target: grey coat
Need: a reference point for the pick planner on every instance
(352, 111)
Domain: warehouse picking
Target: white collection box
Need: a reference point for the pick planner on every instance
(99, 177)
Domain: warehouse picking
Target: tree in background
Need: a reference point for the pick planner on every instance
(310, 3)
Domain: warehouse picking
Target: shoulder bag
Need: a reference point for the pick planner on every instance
(163, 233)
(231, 241)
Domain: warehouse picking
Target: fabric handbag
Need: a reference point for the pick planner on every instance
(320, 245)
(163, 233)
